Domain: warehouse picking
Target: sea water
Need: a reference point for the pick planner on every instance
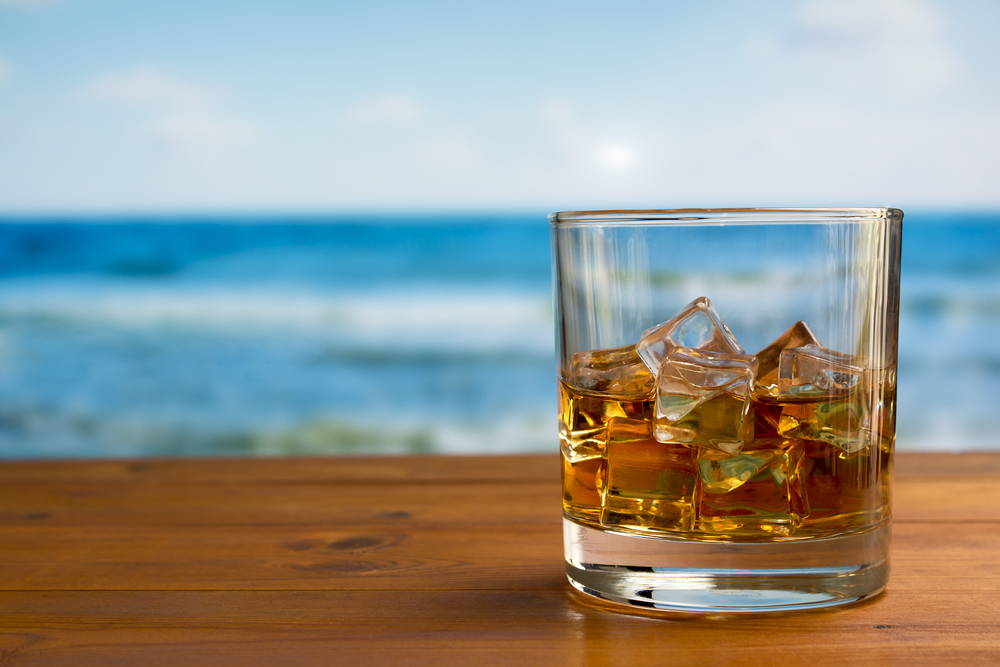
(233, 336)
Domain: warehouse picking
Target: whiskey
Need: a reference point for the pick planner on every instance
(811, 465)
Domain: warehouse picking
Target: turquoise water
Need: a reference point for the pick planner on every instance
(340, 335)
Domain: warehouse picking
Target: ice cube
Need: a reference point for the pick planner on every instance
(798, 335)
(813, 370)
(582, 481)
(650, 485)
(703, 399)
(584, 419)
(843, 489)
(722, 473)
(840, 422)
(766, 414)
(822, 397)
(618, 371)
(757, 491)
(696, 326)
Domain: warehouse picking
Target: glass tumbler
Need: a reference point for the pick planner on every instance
(727, 388)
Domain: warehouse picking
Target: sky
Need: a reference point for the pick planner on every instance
(132, 106)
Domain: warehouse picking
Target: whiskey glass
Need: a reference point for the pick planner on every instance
(727, 388)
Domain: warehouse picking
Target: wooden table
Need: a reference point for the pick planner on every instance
(428, 560)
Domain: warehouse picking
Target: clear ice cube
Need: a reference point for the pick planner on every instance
(844, 487)
(722, 473)
(618, 371)
(650, 485)
(757, 491)
(814, 370)
(823, 398)
(584, 419)
(696, 326)
(768, 359)
(582, 481)
(703, 399)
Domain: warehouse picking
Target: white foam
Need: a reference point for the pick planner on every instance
(405, 316)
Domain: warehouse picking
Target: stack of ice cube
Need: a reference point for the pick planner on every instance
(706, 382)
(703, 379)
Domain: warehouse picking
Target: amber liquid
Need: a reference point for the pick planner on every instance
(812, 467)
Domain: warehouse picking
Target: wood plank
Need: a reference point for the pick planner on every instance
(73, 503)
(428, 469)
(935, 464)
(279, 557)
(946, 499)
(519, 557)
(451, 628)
(428, 560)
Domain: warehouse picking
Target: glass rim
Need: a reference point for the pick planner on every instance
(722, 216)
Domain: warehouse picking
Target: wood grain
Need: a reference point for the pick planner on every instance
(959, 556)
(300, 470)
(79, 504)
(428, 560)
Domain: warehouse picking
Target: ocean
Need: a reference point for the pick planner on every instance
(392, 334)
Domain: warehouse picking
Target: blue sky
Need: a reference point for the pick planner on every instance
(132, 106)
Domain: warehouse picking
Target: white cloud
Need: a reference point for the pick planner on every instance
(393, 109)
(186, 118)
(150, 88)
(199, 131)
(817, 152)
(895, 43)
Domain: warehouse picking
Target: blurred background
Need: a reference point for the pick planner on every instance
(249, 227)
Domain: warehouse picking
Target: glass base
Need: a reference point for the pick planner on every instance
(726, 577)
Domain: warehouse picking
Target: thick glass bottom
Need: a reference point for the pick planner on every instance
(726, 577)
